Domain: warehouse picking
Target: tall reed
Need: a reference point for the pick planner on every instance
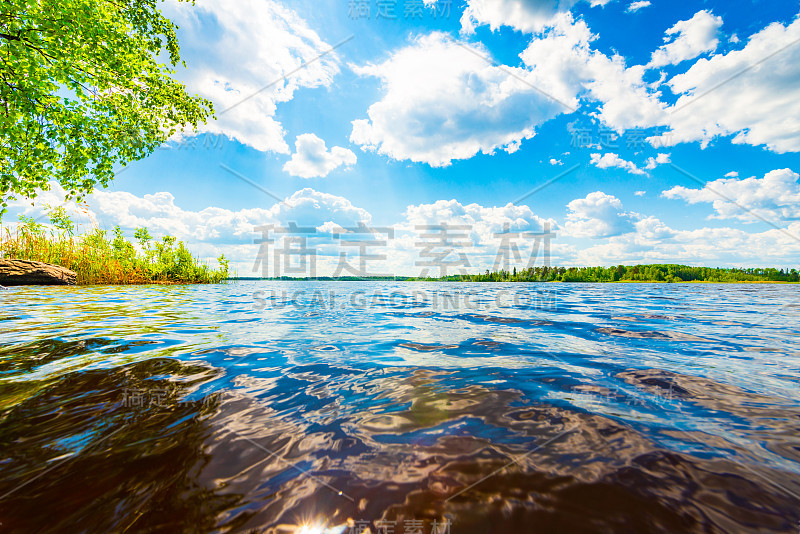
(100, 260)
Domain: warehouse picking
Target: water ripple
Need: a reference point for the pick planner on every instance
(497, 407)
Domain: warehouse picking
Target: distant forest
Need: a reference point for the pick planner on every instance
(620, 273)
(635, 273)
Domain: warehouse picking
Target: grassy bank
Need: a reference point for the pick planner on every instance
(98, 258)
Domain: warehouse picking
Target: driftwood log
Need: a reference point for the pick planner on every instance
(34, 273)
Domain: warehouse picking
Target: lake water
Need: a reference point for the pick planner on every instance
(405, 407)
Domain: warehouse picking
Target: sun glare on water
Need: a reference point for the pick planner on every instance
(319, 529)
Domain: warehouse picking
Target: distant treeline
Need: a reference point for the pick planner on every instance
(620, 273)
(635, 273)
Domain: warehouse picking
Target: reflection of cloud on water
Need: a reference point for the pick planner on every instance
(406, 462)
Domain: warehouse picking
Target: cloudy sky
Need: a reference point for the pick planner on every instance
(636, 131)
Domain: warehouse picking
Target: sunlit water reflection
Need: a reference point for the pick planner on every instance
(262, 406)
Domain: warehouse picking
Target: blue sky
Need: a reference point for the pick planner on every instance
(678, 121)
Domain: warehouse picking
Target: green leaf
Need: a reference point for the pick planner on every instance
(84, 92)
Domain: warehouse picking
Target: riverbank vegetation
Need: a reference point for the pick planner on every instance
(98, 258)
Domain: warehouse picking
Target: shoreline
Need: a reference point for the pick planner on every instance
(322, 279)
(234, 280)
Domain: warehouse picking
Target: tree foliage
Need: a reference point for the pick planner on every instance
(85, 85)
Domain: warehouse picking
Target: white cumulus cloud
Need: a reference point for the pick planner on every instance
(598, 215)
(563, 62)
(308, 207)
(611, 160)
(620, 236)
(688, 39)
(443, 102)
(484, 221)
(655, 242)
(775, 197)
(245, 57)
(759, 100)
(751, 93)
(442, 105)
(660, 159)
(524, 15)
(312, 159)
(633, 7)
(475, 233)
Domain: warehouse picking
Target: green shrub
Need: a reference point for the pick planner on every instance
(100, 261)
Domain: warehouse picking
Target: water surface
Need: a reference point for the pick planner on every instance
(269, 406)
